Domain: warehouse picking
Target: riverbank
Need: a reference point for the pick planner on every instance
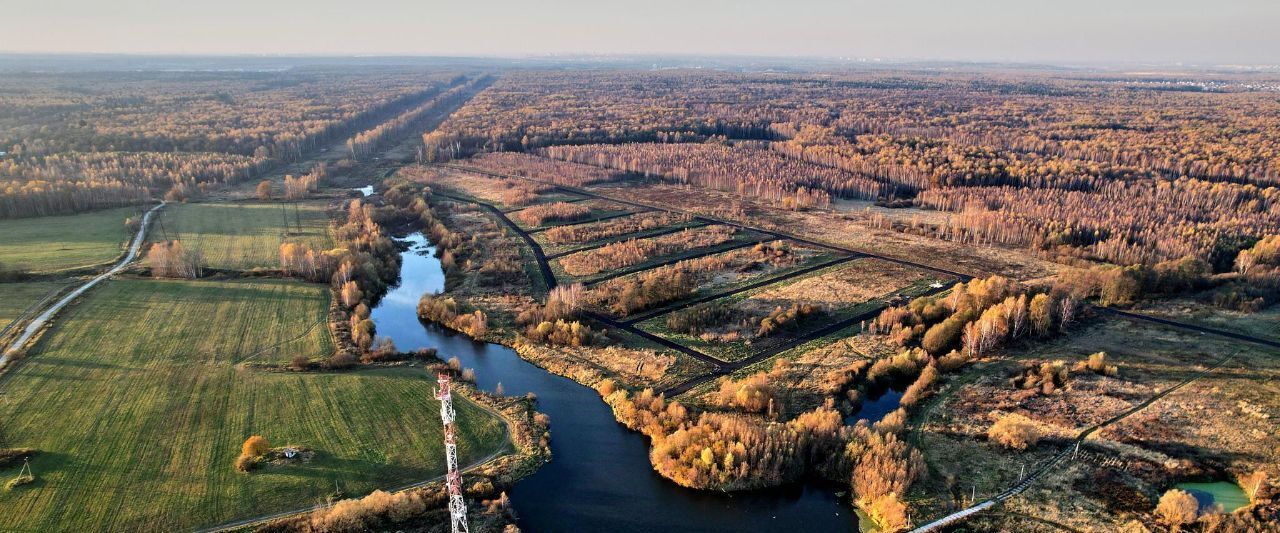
(601, 476)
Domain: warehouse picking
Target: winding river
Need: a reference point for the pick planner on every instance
(599, 478)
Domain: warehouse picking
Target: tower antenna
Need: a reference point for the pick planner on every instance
(453, 481)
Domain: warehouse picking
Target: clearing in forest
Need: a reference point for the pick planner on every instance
(137, 411)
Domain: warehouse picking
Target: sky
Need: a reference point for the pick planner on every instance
(1048, 31)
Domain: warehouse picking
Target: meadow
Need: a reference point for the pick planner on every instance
(50, 244)
(137, 409)
(244, 235)
(19, 296)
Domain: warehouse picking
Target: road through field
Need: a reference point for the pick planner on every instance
(43, 318)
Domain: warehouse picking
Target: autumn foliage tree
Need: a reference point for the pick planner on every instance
(251, 451)
(170, 259)
(263, 191)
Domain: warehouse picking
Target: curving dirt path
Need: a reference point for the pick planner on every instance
(40, 320)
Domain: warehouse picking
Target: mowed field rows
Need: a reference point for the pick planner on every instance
(48, 244)
(137, 411)
(244, 235)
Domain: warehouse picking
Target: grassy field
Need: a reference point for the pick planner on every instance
(1264, 323)
(19, 296)
(138, 412)
(47, 244)
(245, 235)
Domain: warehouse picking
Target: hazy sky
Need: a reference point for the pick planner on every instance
(1209, 31)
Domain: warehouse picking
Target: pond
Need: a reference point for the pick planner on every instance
(1210, 495)
(599, 478)
(876, 406)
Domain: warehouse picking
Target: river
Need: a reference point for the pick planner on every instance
(599, 478)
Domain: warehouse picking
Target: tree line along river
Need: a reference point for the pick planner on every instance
(599, 478)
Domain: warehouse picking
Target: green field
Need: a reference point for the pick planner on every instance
(47, 244)
(138, 412)
(244, 235)
(19, 296)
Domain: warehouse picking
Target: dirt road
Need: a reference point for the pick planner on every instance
(43, 318)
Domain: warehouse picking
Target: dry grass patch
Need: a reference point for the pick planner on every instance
(853, 230)
(631, 252)
(1218, 427)
(693, 277)
(584, 233)
(849, 284)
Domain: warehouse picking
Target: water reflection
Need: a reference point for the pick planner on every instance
(599, 478)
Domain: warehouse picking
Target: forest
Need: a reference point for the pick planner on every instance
(1067, 165)
(75, 142)
(908, 282)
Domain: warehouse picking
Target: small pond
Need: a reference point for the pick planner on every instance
(1210, 495)
(876, 406)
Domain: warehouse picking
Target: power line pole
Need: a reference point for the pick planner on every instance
(453, 481)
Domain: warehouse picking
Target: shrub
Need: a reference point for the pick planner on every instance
(1015, 432)
(263, 192)
(1097, 364)
(245, 463)
(943, 336)
(888, 512)
(694, 320)
(255, 446)
(1177, 508)
(1046, 377)
(369, 512)
(340, 360)
(753, 393)
(920, 389)
(787, 319)
(564, 333)
(300, 362)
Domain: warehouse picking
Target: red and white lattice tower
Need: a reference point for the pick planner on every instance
(453, 481)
